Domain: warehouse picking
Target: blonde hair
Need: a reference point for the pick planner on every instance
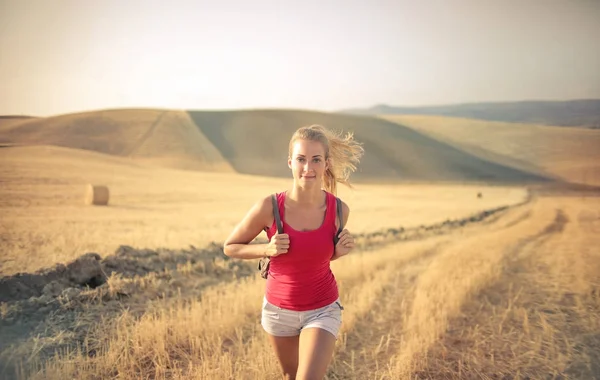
(343, 153)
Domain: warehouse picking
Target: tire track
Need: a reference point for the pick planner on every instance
(374, 328)
(460, 270)
(368, 349)
(524, 324)
(235, 339)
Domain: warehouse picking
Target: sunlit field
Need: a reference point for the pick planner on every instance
(45, 219)
(448, 281)
(568, 153)
(513, 295)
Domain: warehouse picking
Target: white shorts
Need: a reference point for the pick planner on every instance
(283, 322)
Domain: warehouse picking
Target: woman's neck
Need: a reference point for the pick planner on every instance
(313, 196)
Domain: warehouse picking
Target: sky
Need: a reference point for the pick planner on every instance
(59, 56)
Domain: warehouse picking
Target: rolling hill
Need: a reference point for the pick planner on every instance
(584, 112)
(572, 154)
(8, 121)
(255, 142)
(164, 137)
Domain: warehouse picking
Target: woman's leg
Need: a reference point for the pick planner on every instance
(286, 349)
(316, 350)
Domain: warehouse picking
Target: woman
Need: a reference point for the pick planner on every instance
(301, 311)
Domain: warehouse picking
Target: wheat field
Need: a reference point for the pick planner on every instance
(153, 207)
(443, 284)
(515, 295)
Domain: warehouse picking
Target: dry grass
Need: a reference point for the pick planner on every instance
(218, 336)
(153, 207)
(569, 153)
(539, 317)
(513, 297)
(460, 271)
(496, 299)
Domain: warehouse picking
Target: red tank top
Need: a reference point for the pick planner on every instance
(301, 279)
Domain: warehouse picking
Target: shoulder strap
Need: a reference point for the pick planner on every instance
(340, 215)
(264, 263)
(276, 214)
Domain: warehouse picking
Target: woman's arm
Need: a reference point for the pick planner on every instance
(238, 246)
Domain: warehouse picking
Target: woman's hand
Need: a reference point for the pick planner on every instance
(344, 245)
(279, 244)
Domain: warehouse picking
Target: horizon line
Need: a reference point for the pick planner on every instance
(266, 108)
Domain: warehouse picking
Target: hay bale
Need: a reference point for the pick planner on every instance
(96, 195)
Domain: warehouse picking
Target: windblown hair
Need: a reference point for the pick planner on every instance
(343, 153)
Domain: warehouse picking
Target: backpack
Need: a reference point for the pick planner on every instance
(263, 264)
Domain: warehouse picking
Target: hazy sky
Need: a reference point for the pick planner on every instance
(65, 56)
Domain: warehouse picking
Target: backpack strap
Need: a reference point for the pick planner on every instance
(340, 215)
(276, 214)
(264, 263)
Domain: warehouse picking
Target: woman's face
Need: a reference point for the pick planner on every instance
(308, 161)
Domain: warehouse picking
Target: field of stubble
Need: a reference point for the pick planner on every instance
(443, 284)
(512, 293)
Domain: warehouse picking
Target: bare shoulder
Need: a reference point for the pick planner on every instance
(264, 207)
(259, 217)
(265, 202)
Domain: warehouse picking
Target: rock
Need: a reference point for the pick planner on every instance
(86, 271)
(124, 250)
(70, 293)
(111, 262)
(53, 289)
(91, 255)
(59, 268)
